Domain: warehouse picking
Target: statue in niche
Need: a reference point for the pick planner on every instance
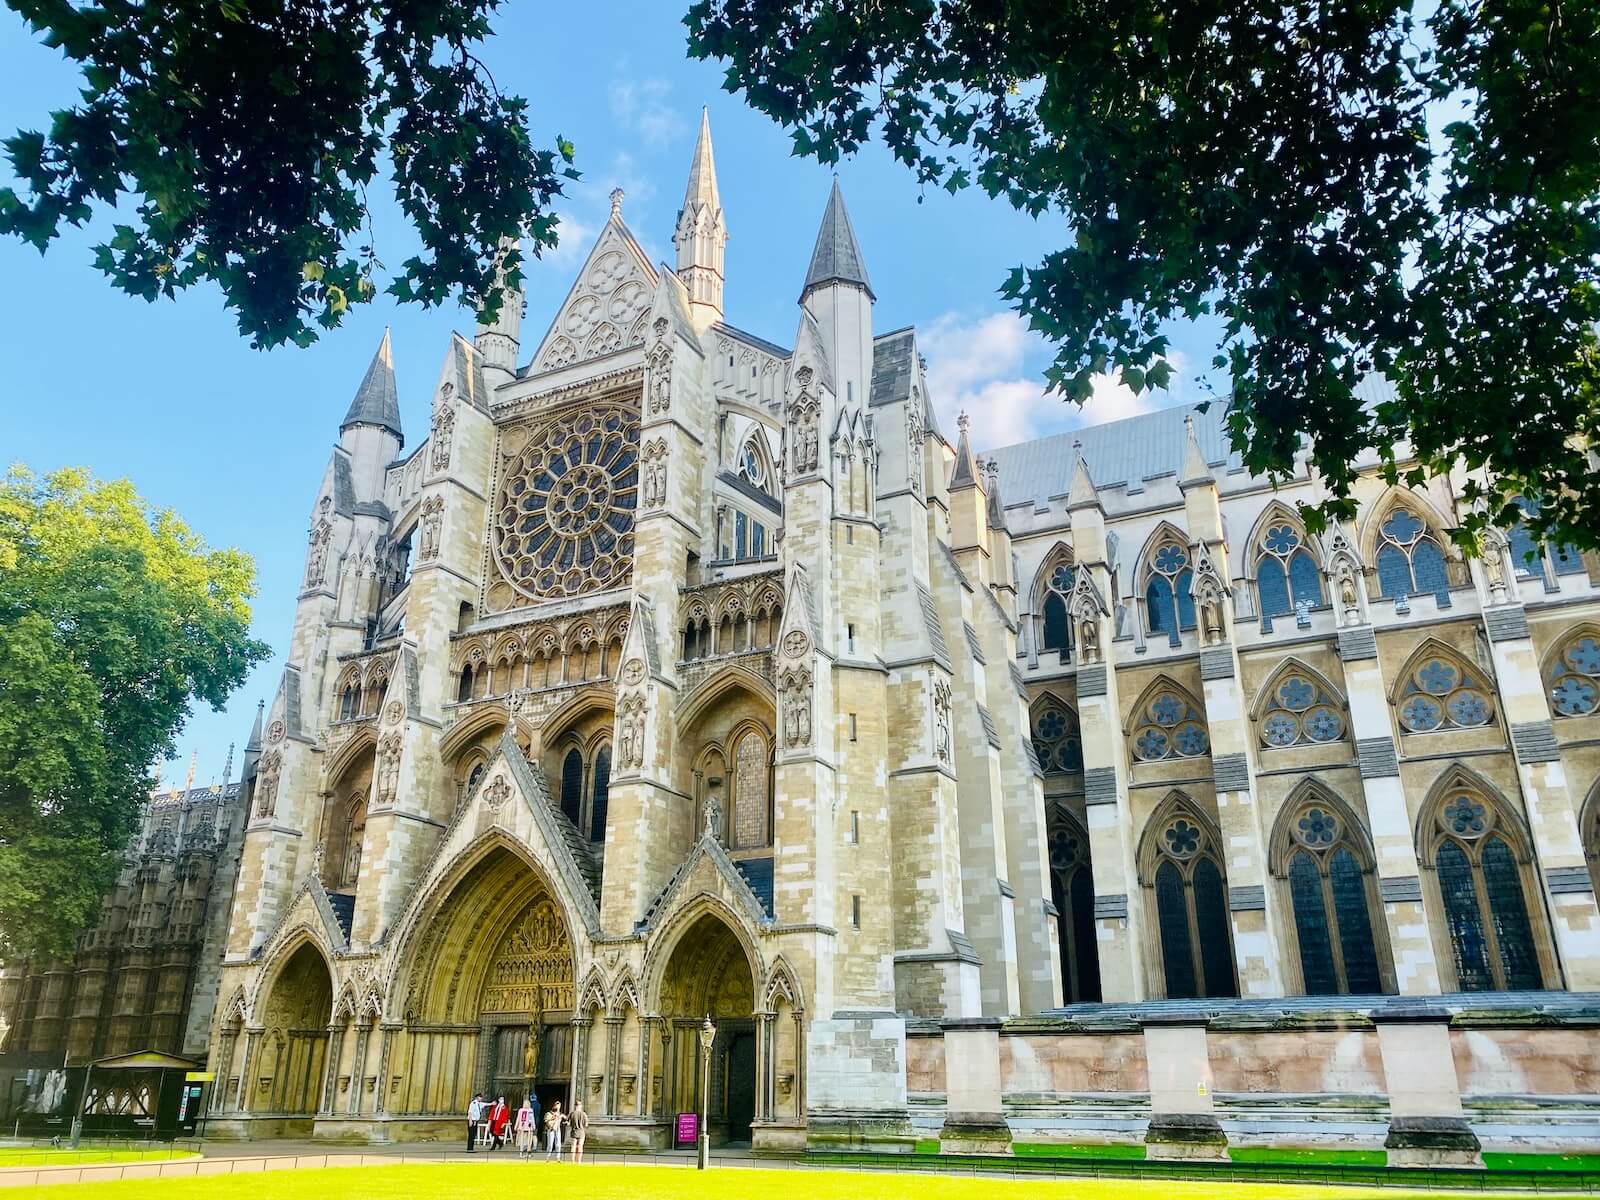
(796, 691)
(1346, 581)
(317, 562)
(432, 518)
(941, 720)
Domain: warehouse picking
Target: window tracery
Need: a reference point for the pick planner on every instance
(753, 468)
(1483, 876)
(564, 525)
(1410, 560)
(1183, 865)
(1286, 574)
(1169, 726)
(1439, 693)
(1056, 738)
(1573, 677)
(1329, 877)
(1072, 890)
(1169, 604)
(1300, 712)
(1055, 620)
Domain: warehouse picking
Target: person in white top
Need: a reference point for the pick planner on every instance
(527, 1134)
(474, 1116)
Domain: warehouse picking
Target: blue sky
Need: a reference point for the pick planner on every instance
(170, 396)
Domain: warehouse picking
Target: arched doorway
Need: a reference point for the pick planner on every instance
(489, 1001)
(292, 1059)
(709, 973)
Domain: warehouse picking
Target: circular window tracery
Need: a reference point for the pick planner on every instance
(1441, 695)
(564, 522)
(1170, 727)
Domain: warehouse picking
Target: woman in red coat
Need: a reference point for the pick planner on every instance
(499, 1119)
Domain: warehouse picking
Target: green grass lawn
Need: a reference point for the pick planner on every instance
(43, 1156)
(496, 1181)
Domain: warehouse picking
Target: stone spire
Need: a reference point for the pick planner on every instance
(991, 471)
(1195, 468)
(966, 472)
(702, 233)
(837, 257)
(498, 341)
(1081, 491)
(227, 766)
(377, 400)
(255, 730)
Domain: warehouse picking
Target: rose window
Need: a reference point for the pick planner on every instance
(1170, 727)
(1441, 695)
(564, 522)
(1574, 678)
(1056, 741)
(1300, 711)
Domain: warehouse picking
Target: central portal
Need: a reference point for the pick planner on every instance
(709, 973)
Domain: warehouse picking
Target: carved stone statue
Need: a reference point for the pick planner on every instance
(1346, 579)
(795, 687)
(941, 720)
(317, 561)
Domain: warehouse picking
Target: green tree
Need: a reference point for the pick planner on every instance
(1345, 186)
(113, 619)
(240, 136)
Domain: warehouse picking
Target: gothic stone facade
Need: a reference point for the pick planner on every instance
(677, 673)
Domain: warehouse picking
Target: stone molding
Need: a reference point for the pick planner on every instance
(1377, 757)
(1216, 663)
(1400, 888)
(1251, 898)
(1358, 643)
(1507, 623)
(1535, 742)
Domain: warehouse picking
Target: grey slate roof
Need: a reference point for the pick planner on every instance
(837, 256)
(1127, 453)
(377, 400)
(892, 355)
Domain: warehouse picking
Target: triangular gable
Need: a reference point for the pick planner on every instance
(799, 612)
(462, 369)
(640, 642)
(708, 869)
(608, 308)
(309, 909)
(144, 1060)
(403, 686)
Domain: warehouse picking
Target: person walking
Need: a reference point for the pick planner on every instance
(499, 1118)
(474, 1116)
(525, 1127)
(580, 1130)
(553, 1121)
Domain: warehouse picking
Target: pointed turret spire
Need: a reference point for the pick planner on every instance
(377, 400)
(1081, 491)
(965, 474)
(1195, 468)
(227, 766)
(255, 730)
(991, 471)
(702, 233)
(498, 341)
(837, 257)
(194, 761)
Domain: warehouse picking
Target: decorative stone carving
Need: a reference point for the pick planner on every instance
(267, 783)
(388, 769)
(633, 672)
(1345, 581)
(941, 720)
(607, 310)
(658, 386)
(1208, 590)
(794, 686)
(804, 415)
(630, 734)
(317, 559)
(275, 733)
(795, 643)
(655, 473)
(428, 528)
(497, 793)
(711, 816)
(914, 436)
(392, 712)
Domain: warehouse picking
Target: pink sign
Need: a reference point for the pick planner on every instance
(688, 1128)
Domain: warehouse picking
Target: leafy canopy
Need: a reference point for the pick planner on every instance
(113, 618)
(239, 138)
(1347, 187)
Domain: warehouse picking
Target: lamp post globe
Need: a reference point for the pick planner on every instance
(708, 1035)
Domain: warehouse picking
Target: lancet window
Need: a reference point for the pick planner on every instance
(1055, 625)
(1286, 574)
(1328, 870)
(1072, 890)
(1169, 606)
(1410, 560)
(1183, 865)
(1056, 738)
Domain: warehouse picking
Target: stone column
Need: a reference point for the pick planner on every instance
(252, 1040)
(358, 1068)
(580, 1059)
(1183, 1122)
(975, 1121)
(613, 1059)
(1399, 881)
(223, 1066)
(1427, 1125)
(330, 1082)
(1550, 804)
(763, 1064)
(381, 1091)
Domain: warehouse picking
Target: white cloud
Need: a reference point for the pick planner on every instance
(641, 106)
(992, 368)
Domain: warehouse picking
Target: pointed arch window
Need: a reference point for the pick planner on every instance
(572, 785)
(753, 466)
(1169, 726)
(347, 703)
(1332, 895)
(1573, 677)
(1072, 890)
(1529, 556)
(1185, 870)
(1300, 712)
(1056, 738)
(1440, 693)
(1484, 886)
(1169, 607)
(1286, 574)
(600, 798)
(1410, 560)
(1055, 625)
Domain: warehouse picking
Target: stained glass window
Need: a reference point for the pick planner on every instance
(1168, 602)
(1300, 712)
(1442, 693)
(1285, 571)
(1055, 631)
(1072, 888)
(1410, 561)
(1331, 897)
(1056, 739)
(1483, 887)
(600, 801)
(1574, 677)
(1528, 554)
(753, 466)
(1169, 726)
(1192, 910)
(572, 786)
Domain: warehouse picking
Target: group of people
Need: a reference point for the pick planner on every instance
(491, 1124)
